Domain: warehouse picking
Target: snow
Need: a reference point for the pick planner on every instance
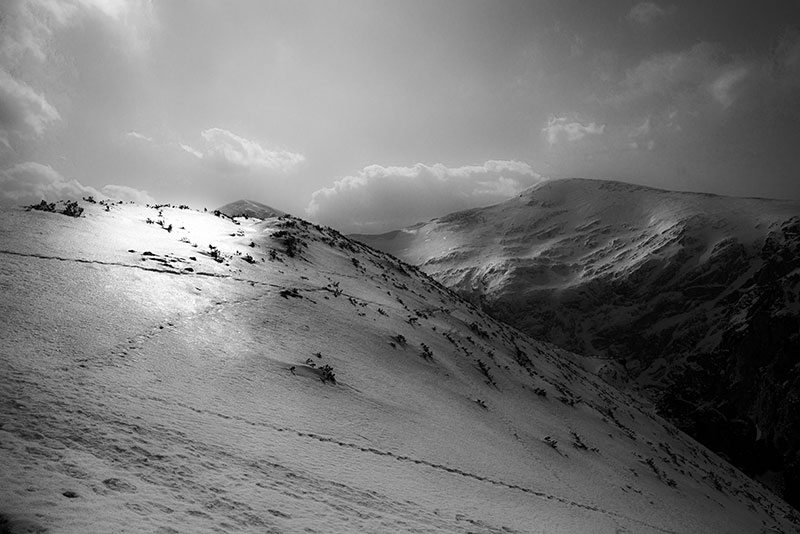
(138, 395)
(638, 223)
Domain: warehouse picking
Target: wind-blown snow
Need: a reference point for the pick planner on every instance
(146, 386)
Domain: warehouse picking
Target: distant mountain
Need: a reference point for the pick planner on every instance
(249, 208)
(168, 370)
(694, 298)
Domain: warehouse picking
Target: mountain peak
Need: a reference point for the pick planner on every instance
(250, 208)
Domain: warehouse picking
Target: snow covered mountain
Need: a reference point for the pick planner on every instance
(167, 370)
(693, 297)
(250, 208)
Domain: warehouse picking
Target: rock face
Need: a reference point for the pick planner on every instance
(691, 298)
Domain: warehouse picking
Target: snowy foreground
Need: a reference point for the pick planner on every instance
(148, 387)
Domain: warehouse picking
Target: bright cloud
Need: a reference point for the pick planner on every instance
(140, 137)
(125, 193)
(563, 128)
(646, 12)
(30, 182)
(382, 198)
(193, 151)
(233, 152)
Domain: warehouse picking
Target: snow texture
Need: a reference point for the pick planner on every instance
(167, 377)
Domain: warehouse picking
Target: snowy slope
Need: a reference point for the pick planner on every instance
(694, 297)
(170, 381)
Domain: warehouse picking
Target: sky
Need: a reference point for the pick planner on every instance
(372, 115)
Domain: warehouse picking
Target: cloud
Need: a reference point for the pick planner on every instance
(694, 77)
(723, 87)
(379, 198)
(30, 182)
(639, 136)
(26, 27)
(140, 137)
(232, 152)
(132, 21)
(562, 128)
(668, 72)
(125, 193)
(194, 152)
(23, 111)
(646, 12)
(27, 31)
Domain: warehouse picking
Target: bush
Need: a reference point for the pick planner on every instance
(215, 254)
(72, 209)
(426, 352)
(290, 292)
(484, 369)
(42, 206)
(327, 374)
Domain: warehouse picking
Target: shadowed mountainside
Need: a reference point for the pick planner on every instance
(691, 297)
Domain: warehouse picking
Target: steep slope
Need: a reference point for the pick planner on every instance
(693, 297)
(249, 208)
(201, 374)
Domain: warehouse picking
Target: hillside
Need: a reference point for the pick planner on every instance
(166, 370)
(691, 298)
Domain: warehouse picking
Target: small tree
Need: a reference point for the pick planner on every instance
(42, 206)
